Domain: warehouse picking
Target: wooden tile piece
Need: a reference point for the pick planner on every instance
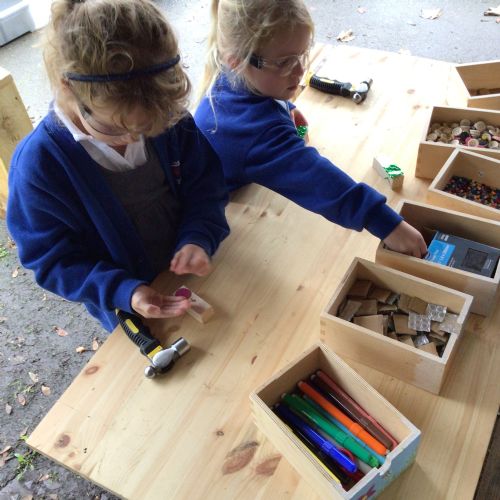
(380, 294)
(386, 308)
(368, 308)
(417, 305)
(404, 303)
(374, 323)
(349, 310)
(360, 289)
(406, 339)
(430, 347)
(401, 325)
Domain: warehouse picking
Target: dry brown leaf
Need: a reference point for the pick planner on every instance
(3, 318)
(361, 10)
(60, 331)
(21, 399)
(43, 478)
(11, 243)
(493, 11)
(95, 345)
(6, 449)
(8, 408)
(53, 496)
(33, 377)
(346, 36)
(15, 272)
(80, 349)
(45, 390)
(431, 13)
(23, 432)
(27, 497)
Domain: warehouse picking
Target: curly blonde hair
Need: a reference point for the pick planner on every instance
(241, 27)
(116, 36)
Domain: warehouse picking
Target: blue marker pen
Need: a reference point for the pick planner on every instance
(324, 445)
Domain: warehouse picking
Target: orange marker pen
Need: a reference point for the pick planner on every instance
(353, 427)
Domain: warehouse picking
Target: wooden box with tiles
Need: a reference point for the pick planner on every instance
(307, 464)
(470, 183)
(431, 220)
(481, 81)
(450, 128)
(367, 320)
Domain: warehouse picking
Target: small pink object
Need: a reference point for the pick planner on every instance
(183, 292)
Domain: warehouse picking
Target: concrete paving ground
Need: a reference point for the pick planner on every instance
(40, 331)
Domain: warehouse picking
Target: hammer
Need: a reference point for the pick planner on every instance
(357, 93)
(161, 359)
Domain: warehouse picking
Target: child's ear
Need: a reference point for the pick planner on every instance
(233, 62)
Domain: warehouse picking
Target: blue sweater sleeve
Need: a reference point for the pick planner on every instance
(43, 217)
(279, 160)
(203, 191)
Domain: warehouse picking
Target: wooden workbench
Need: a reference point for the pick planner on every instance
(190, 434)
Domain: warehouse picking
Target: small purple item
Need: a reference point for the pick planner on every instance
(183, 292)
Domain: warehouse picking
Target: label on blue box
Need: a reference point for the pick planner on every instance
(440, 252)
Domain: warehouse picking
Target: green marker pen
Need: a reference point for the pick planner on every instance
(300, 405)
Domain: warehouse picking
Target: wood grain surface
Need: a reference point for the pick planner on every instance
(190, 434)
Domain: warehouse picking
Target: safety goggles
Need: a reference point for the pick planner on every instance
(281, 65)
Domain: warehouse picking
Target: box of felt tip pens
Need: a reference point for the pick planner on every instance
(337, 431)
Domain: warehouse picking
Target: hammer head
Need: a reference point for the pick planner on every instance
(360, 91)
(165, 359)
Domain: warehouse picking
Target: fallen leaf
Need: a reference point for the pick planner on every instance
(15, 272)
(346, 36)
(11, 243)
(44, 297)
(431, 13)
(53, 496)
(6, 449)
(45, 390)
(43, 478)
(33, 377)
(60, 331)
(404, 52)
(21, 399)
(8, 408)
(95, 344)
(27, 497)
(3, 318)
(23, 432)
(493, 11)
(361, 10)
(80, 349)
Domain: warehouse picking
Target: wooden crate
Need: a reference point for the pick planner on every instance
(474, 166)
(482, 83)
(385, 354)
(321, 357)
(421, 215)
(432, 155)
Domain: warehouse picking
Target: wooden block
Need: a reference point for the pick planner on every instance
(485, 290)
(387, 169)
(374, 323)
(381, 294)
(349, 309)
(474, 166)
(387, 308)
(368, 308)
(200, 310)
(430, 347)
(404, 303)
(15, 124)
(401, 325)
(432, 155)
(480, 80)
(360, 289)
(380, 352)
(294, 450)
(406, 339)
(417, 305)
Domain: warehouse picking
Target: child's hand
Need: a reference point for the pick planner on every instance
(406, 239)
(151, 304)
(191, 259)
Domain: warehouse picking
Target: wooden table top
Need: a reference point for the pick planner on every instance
(190, 434)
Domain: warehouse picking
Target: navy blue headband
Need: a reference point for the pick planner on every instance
(129, 75)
